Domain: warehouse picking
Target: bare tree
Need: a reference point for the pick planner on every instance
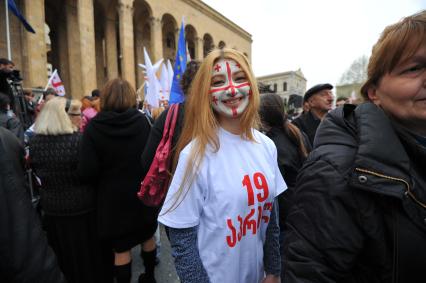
(357, 72)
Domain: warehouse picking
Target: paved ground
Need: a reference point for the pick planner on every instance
(165, 272)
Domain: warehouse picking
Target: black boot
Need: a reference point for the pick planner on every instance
(123, 273)
(149, 263)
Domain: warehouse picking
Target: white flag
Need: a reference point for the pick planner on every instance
(153, 88)
(170, 73)
(56, 82)
(164, 80)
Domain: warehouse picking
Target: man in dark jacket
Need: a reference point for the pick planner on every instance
(24, 253)
(320, 100)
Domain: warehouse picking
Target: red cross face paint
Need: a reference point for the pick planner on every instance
(230, 88)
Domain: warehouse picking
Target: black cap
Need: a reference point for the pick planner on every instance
(315, 89)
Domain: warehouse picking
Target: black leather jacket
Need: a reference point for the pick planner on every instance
(24, 253)
(359, 212)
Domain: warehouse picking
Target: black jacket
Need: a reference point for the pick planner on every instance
(24, 253)
(55, 160)
(12, 124)
(308, 123)
(110, 157)
(290, 160)
(359, 208)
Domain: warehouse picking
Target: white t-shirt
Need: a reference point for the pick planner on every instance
(230, 200)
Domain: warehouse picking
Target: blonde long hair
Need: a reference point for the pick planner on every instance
(200, 121)
(54, 119)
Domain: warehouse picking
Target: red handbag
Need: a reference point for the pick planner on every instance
(154, 186)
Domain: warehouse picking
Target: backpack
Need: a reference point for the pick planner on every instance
(153, 188)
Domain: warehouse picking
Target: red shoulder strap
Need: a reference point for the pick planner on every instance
(174, 109)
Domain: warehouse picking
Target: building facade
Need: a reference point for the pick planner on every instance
(91, 41)
(285, 84)
(349, 90)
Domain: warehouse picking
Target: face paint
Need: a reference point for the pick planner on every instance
(229, 88)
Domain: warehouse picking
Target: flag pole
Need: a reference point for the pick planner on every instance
(9, 50)
(50, 79)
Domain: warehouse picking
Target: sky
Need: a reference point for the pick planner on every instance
(322, 37)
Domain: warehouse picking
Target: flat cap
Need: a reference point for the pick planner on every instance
(315, 89)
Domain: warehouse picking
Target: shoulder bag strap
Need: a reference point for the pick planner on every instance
(175, 115)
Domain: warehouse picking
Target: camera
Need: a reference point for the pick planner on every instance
(14, 75)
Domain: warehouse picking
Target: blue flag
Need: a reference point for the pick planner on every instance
(14, 9)
(176, 93)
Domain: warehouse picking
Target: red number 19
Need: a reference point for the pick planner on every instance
(260, 184)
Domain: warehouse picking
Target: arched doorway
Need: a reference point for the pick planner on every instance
(191, 40)
(58, 53)
(207, 44)
(100, 43)
(142, 36)
(169, 34)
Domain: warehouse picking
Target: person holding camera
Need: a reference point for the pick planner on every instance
(6, 72)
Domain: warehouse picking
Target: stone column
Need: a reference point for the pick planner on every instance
(127, 52)
(199, 53)
(156, 39)
(74, 88)
(86, 27)
(111, 48)
(36, 59)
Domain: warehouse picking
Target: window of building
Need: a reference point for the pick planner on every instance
(275, 87)
(285, 86)
(170, 40)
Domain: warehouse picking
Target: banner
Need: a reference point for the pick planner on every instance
(176, 93)
(56, 82)
(12, 7)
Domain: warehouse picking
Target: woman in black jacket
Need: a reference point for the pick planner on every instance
(68, 204)
(292, 148)
(110, 156)
(360, 200)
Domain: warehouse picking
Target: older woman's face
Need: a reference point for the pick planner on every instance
(402, 93)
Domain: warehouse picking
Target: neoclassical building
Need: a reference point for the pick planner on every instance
(286, 83)
(91, 41)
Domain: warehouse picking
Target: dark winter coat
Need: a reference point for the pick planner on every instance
(290, 160)
(110, 157)
(55, 159)
(308, 123)
(12, 124)
(359, 212)
(24, 253)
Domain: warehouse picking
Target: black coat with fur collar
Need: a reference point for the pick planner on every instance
(359, 211)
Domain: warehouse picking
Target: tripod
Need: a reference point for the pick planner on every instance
(20, 105)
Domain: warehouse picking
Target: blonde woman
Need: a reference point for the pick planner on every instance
(219, 209)
(68, 204)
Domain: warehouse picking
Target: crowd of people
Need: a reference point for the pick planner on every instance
(336, 195)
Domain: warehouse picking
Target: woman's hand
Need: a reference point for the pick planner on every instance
(271, 279)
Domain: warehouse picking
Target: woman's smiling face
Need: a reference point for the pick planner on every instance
(402, 92)
(230, 89)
